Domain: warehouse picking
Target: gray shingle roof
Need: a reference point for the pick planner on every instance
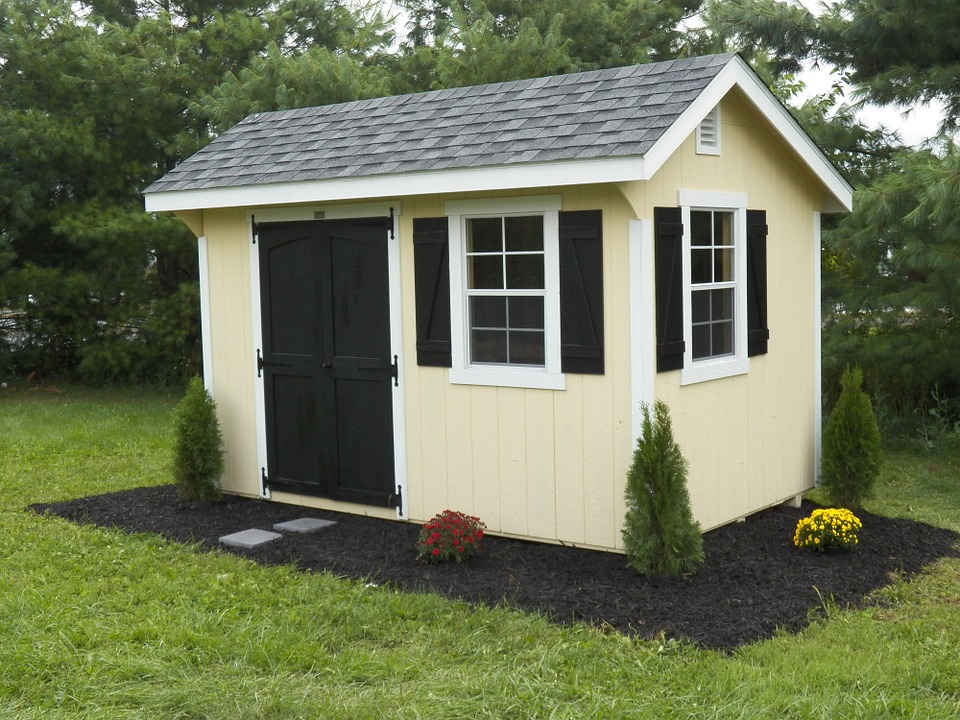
(605, 113)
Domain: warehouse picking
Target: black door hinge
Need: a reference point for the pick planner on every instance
(255, 227)
(259, 364)
(392, 237)
(396, 501)
(263, 478)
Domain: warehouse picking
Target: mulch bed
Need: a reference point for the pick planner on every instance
(753, 582)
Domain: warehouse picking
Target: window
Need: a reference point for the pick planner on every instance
(710, 285)
(505, 292)
(509, 292)
(505, 288)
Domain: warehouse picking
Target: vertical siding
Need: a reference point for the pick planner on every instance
(536, 463)
(228, 249)
(749, 439)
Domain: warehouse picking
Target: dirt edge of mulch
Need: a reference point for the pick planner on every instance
(753, 583)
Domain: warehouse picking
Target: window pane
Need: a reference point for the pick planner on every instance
(524, 233)
(722, 304)
(700, 306)
(701, 341)
(485, 235)
(700, 228)
(488, 346)
(722, 265)
(701, 270)
(722, 339)
(722, 228)
(485, 272)
(526, 347)
(488, 312)
(525, 272)
(526, 312)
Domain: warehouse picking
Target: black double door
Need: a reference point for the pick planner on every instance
(325, 360)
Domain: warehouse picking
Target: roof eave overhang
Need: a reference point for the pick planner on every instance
(838, 194)
(471, 179)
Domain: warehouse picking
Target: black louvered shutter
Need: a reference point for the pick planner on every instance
(668, 249)
(757, 331)
(581, 292)
(431, 267)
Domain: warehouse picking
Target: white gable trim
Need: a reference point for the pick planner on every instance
(738, 74)
(838, 196)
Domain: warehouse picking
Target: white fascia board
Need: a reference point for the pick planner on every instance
(839, 196)
(474, 179)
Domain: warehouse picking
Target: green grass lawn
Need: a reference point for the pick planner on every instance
(97, 624)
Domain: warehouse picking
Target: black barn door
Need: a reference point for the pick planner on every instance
(325, 360)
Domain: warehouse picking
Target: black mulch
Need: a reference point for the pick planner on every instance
(752, 583)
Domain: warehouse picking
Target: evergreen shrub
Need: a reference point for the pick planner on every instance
(198, 459)
(660, 535)
(851, 445)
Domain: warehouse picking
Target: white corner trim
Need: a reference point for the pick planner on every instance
(206, 330)
(259, 402)
(396, 345)
(643, 345)
(817, 352)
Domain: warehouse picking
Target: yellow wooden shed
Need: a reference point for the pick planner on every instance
(461, 299)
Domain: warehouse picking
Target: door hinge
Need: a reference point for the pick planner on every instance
(392, 236)
(259, 364)
(396, 500)
(255, 228)
(264, 482)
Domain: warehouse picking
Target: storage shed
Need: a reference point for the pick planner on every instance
(460, 299)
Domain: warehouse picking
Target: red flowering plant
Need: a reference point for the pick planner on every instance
(451, 535)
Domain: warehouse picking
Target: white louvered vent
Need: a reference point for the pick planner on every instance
(708, 133)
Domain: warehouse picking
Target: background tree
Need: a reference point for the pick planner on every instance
(96, 101)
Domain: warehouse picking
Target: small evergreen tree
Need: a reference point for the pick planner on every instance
(851, 445)
(198, 462)
(660, 535)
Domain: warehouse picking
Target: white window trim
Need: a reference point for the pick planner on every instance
(461, 371)
(695, 371)
(712, 147)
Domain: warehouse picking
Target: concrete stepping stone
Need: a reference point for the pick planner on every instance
(250, 538)
(304, 525)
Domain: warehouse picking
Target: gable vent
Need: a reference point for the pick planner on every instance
(708, 133)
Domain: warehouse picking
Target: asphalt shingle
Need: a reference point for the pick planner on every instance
(605, 113)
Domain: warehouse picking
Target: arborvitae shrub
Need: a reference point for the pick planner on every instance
(660, 535)
(851, 445)
(198, 461)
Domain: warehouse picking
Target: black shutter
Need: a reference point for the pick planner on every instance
(581, 292)
(431, 267)
(668, 248)
(757, 331)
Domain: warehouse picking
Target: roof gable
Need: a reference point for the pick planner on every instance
(600, 126)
